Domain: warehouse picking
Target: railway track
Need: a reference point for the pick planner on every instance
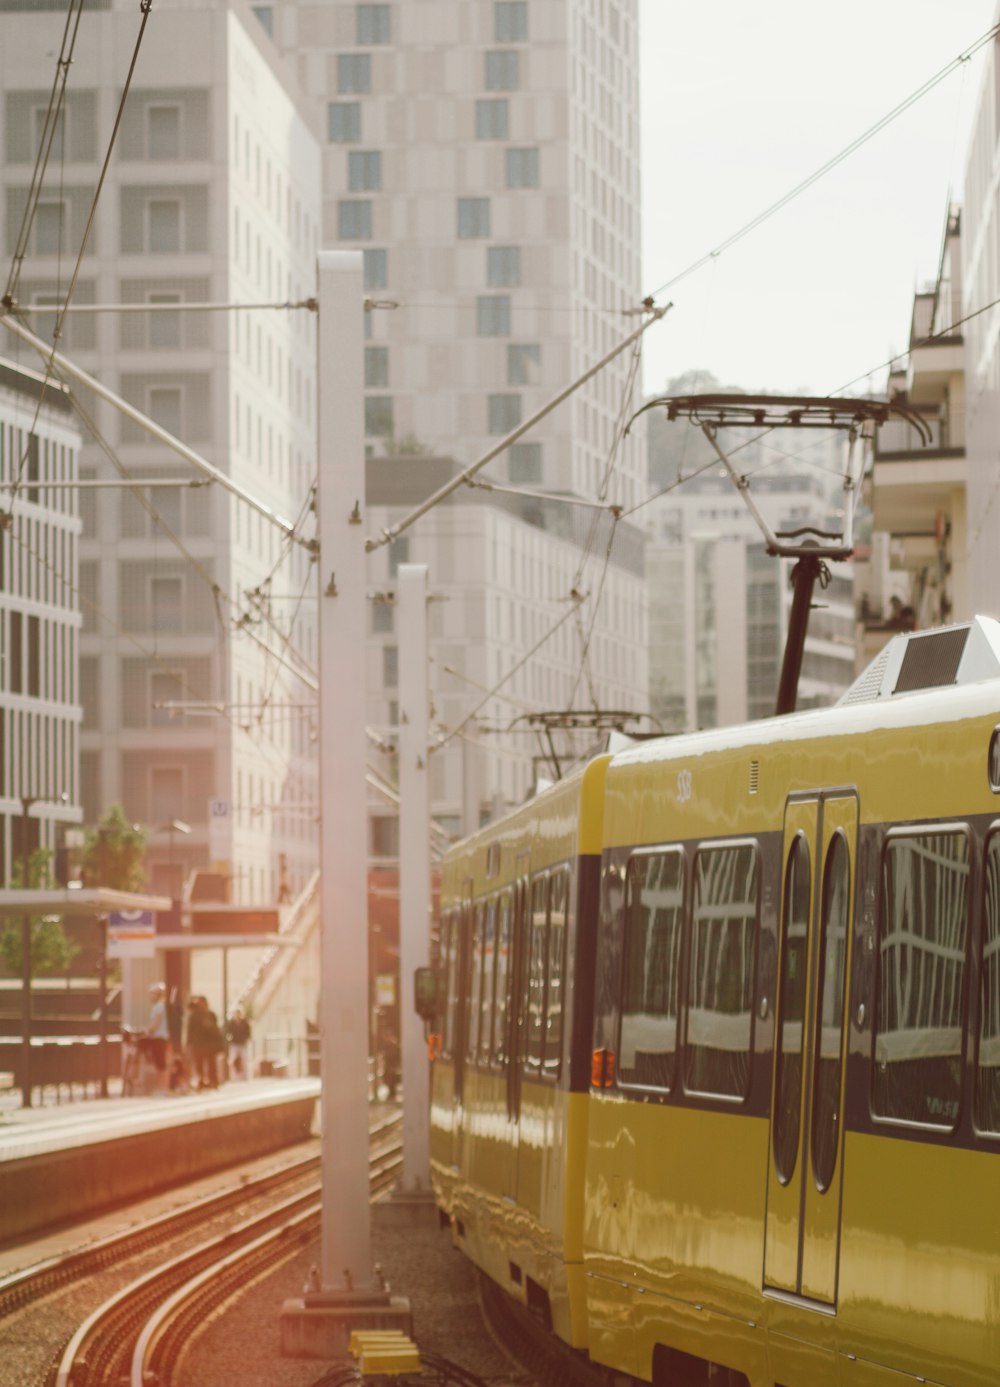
(153, 1314)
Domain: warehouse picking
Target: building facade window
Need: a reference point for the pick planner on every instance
(343, 122)
(379, 419)
(376, 368)
(503, 266)
(166, 604)
(493, 315)
(50, 225)
(165, 406)
(510, 21)
(364, 171)
(166, 792)
(492, 118)
(524, 466)
(524, 363)
(165, 328)
(375, 270)
(163, 132)
(504, 413)
(390, 666)
(354, 220)
(354, 73)
(522, 168)
(163, 225)
(503, 70)
(473, 217)
(373, 24)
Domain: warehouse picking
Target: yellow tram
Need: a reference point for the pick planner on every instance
(725, 1105)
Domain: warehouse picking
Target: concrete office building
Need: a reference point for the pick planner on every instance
(39, 617)
(483, 154)
(212, 197)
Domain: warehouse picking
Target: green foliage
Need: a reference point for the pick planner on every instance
(113, 853)
(52, 951)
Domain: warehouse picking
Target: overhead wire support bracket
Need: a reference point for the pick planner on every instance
(462, 478)
(57, 361)
(808, 544)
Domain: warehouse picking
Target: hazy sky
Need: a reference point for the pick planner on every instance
(742, 101)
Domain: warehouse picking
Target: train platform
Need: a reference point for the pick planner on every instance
(62, 1162)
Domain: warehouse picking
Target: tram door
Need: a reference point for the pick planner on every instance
(802, 1230)
(516, 1021)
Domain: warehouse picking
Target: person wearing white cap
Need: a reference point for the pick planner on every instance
(158, 1033)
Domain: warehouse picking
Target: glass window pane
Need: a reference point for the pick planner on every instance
(510, 21)
(504, 413)
(163, 132)
(522, 168)
(525, 463)
(166, 408)
(376, 367)
(476, 983)
(720, 975)
(354, 73)
(492, 118)
(654, 913)
(165, 328)
(354, 220)
(502, 985)
(537, 952)
(493, 315)
(375, 270)
(830, 1016)
(558, 905)
(364, 170)
(503, 266)
(792, 1009)
(485, 1046)
(524, 363)
(343, 122)
(473, 217)
(373, 24)
(988, 1072)
(503, 70)
(449, 968)
(379, 422)
(166, 600)
(164, 225)
(49, 224)
(922, 945)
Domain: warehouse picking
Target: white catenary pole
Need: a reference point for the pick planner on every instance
(346, 1262)
(414, 867)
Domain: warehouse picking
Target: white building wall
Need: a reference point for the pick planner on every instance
(212, 196)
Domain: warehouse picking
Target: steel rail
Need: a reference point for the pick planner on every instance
(99, 1350)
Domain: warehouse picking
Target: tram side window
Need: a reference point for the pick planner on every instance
(558, 903)
(449, 968)
(654, 912)
(536, 973)
(488, 979)
(721, 971)
(988, 1073)
(921, 961)
(835, 924)
(502, 985)
(475, 982)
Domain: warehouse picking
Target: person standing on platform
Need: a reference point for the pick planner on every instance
(157, 1033)
(203, 1042)
(238, 1035)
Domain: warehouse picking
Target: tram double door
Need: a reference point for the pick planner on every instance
(804, 1179)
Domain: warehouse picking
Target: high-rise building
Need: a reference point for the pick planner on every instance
(484, 156)
(196, 610)
(39, 617)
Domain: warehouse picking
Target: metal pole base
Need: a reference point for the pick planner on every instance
(320, 1324)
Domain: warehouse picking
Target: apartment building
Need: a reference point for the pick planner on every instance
(483, 155)
(196, 611)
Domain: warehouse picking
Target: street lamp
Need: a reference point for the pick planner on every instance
(26, 802)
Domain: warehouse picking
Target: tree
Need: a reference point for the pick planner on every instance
(113, 853)
(52, 951)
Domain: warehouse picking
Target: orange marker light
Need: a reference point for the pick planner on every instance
(602, 1069)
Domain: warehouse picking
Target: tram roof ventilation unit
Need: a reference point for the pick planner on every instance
(938, 659)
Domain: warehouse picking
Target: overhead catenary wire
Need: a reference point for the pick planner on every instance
(832, 163)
